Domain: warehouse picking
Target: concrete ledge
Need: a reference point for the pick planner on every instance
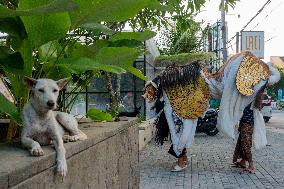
(107, 159)
(146, 133)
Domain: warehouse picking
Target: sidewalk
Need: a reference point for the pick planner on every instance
(210, 166)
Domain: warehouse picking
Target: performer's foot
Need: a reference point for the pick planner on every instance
(185, 158)
(241, 164)
(181, 162)
(177, 168)
(251, 169)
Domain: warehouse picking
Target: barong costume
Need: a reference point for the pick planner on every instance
(181, 96)
(237, 84)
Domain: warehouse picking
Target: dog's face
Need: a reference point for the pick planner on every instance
(44, 92)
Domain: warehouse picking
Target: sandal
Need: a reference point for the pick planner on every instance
(239, 165)
(177, 168)
(251, 170)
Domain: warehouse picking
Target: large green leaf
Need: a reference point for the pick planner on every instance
(106, 10)
(10, 109)
(97, 28)
(79, 50)
(120, 56)
(12, 26)
(56, 71)
(44, 28)
(98, 115)
(139, 36)
(83, 64)
(54, 7)
(156, 5)
(49, 51)
(11, 61)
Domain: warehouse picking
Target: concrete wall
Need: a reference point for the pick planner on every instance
(107, 159)
(146, 133)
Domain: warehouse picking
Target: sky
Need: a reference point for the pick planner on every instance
(270, 20)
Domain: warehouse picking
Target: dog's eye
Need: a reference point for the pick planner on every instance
(41, 90)
(55, 90)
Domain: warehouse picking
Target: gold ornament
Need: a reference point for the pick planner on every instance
(189, 101)
(251, 71)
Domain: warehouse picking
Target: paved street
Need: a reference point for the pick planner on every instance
(277, 120)
(210, 164)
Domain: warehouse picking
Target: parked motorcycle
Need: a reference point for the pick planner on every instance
(208, 123)
(266, 108)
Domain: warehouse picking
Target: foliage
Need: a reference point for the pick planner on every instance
(98, 115)
(229, 3)
(45, 41)
(182, 58)
(273, 89)
(141, 118)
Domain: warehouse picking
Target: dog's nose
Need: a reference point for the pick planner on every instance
(50, 103)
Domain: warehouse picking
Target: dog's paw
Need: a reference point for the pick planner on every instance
(65, 138)
(36, 151)
(62, 169)
(74, 138)
(68, 138)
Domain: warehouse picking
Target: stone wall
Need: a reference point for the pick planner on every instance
(107, 159)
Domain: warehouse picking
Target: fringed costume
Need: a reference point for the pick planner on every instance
(181, 96)
(240, 84)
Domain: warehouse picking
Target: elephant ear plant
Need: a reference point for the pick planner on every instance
(44, 40)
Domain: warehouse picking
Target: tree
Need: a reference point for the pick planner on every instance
(45, 35)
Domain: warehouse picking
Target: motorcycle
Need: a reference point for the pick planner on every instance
(208, 123)
(266, 110)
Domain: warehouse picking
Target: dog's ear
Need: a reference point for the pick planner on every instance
(29, 82)
(62, 82)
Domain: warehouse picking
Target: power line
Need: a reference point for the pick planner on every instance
(258, 12)
(271, 38)
(276, 7)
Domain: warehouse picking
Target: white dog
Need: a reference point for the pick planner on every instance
(43, 125)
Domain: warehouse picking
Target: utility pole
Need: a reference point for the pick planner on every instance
(237, 42)
(224, 30)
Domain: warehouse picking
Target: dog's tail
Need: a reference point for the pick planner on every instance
(82, 136)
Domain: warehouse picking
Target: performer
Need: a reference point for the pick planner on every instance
(240, 84)
(181, 95)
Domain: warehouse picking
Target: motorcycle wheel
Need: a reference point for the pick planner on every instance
(266, 119)
(213, 132)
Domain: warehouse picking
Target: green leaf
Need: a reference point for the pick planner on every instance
(49, 50)
(106, 10)
(84, 64)
(156, 5)
(135, 72)
(44, 28)
(54, 7)
(120, 56)
(10, 109)
(98, 115)
(11, 61)
(79, 50)
(97, 28)
(139, 36)
(56, 71)
(126, 43)
(12, 26)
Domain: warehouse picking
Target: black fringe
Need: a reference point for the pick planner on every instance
(162, 129)
(174, 74)
(171, 76)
